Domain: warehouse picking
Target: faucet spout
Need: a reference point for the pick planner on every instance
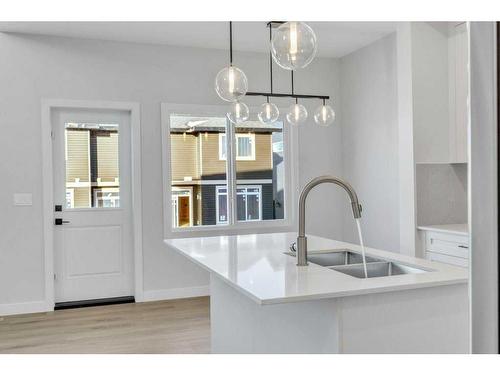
(302, 239)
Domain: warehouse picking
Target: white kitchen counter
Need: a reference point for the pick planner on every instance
(256, 266)
(460, 229)
(325, 311)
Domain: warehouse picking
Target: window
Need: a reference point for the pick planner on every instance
(107, 197)
(92, 165)
(209, 159)
(249, 203)
(221, 201)
(196, 169)
(245, 146)
(70, 198)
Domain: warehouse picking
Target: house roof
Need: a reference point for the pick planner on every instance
(196, 124)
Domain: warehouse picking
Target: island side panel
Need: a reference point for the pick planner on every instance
(426, 320)
(241, 325)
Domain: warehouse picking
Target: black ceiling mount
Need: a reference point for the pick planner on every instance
(279, 95)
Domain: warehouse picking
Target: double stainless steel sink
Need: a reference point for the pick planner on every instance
(351, 263)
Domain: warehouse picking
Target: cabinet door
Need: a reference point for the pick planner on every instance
(458, 148)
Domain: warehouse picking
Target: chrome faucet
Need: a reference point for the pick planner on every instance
(302, 239)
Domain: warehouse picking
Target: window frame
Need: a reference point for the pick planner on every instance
(190, 196)
(290, 140)
(241, 186)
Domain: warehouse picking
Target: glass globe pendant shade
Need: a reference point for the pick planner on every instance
(231, 84)
(324, 115)
(293, 45)
(297, 114)
(268, 113)
(238, 113)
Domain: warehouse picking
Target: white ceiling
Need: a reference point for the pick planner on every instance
(335, 39)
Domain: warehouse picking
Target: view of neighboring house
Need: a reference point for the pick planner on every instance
(92, 165)
(199, 178)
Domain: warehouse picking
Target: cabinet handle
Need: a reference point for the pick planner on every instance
(463, 246)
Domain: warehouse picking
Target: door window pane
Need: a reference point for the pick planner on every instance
(241, 209)
(198, 165)
(92, 165)
(221, 201)
(253, 207)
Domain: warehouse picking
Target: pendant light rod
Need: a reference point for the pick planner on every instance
(230, 43)
(270, 57)
(295, 96)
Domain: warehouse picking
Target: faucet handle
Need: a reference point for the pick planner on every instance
(293, 247)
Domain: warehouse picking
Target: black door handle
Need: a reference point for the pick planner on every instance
(60, 221)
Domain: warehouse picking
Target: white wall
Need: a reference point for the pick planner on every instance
(441, 193)
(35, 67)
(483, 213)
(370, 141)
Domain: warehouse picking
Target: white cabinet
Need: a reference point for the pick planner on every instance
(458, 95)
(450, 248)
(440, 87)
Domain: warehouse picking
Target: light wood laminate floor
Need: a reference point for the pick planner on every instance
(176, 326)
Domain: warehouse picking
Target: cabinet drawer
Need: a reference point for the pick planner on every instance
(455, 261)
(447, 244)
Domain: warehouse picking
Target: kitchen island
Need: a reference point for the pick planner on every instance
(261, 302)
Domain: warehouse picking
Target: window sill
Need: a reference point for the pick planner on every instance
(255, 227)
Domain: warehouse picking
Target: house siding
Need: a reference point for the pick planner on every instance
(208, 205)
(104, 156)
(184, 156)
(267, 202)
(77, 150)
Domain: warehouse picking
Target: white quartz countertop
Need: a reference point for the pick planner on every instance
(257, 266)
(461, 229)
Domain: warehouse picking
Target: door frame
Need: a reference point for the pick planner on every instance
(191, 192)
(47, 107)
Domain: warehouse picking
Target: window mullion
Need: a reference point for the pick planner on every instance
(231, 172)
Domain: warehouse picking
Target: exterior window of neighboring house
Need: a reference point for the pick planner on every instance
(107, 197)
(249, 200)
(202, 172)
(70, 198)
(245, 146)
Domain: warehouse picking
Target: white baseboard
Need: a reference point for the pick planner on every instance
(24, 308)
(175, 293)
(148, 295)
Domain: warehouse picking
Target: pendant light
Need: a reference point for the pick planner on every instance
(269, 113)
(238, 113)
(231, 83)
(297, 113)
(324, 115)
(293, 45)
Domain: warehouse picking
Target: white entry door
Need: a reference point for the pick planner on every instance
(93, 237)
